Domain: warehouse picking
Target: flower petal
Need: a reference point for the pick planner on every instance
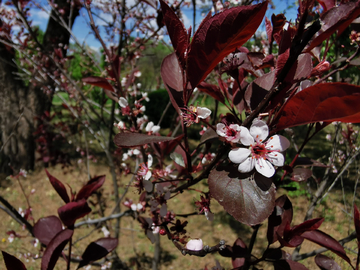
(245, 136)
(238, 155)
(247, 166)
(123, 102)
(203, 112)
(220, 129)
(259, 130)
(276, 158)
(264, 167)
(277, 143)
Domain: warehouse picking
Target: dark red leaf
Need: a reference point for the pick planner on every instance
(219, 36)
(46, 228)
(209, 135)
(326, 241)
(335, 19)
(172, 76)
(240, 253)
(12, 263)
(97, 250)
(177, 32)
(246, 197)
(137, 139)
(258, 89)
(90, 187)
(72, 211)
(282, 215)
(357, 224)
(269, 29)
(322, 102)
(59, 187)
(288, 265)
(98, 81)
(306, 226)
(54, 249)
(212, 90)
(326, 263)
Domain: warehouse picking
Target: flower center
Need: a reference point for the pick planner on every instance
(230, 132)
(259, 150)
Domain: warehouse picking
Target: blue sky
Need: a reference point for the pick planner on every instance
(81, 30)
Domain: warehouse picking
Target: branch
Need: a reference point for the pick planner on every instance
(96, 221)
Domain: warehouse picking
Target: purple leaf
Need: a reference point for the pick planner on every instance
(72, 211)
(12, 263)
(90, 187)
(97, 250)
(212, 90)
(250, 199)
(172, 76)
(177, 32)
(326, 263)
(326, 241)
(336, 19)
(54, 249)
(258, 89)
(322, 102)
(98, 81)
(240, 253)
(59, 187)
(279, 218)
(46, 228)
(127, 139)
(306, 226)
(220, 35)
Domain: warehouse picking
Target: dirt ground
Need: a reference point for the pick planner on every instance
(134, 244)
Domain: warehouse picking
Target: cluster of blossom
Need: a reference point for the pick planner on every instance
(260, 153)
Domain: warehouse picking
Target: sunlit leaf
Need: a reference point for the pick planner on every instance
(322, 102)
(219, 36)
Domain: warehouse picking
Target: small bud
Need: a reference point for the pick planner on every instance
(162, 232)
(194, 244)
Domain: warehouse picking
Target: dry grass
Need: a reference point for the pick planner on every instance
(134, 244)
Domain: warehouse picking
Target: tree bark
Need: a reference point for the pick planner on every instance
(21, 105)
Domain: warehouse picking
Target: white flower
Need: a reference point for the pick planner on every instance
(194, 244)
(261, 154)
(123, 102)
(231, 132)
(150, 127)
(136, 207)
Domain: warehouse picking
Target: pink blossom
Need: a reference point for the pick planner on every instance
(231, 133)
(261, 154)
(193, 114)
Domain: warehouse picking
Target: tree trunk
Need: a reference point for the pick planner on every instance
(21, 105)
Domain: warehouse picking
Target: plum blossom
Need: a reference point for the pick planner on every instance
(144, 169)
(151, 128)
(230, 132)
(194, 244)
(261, 154)
(123, 102)
(193, 114)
